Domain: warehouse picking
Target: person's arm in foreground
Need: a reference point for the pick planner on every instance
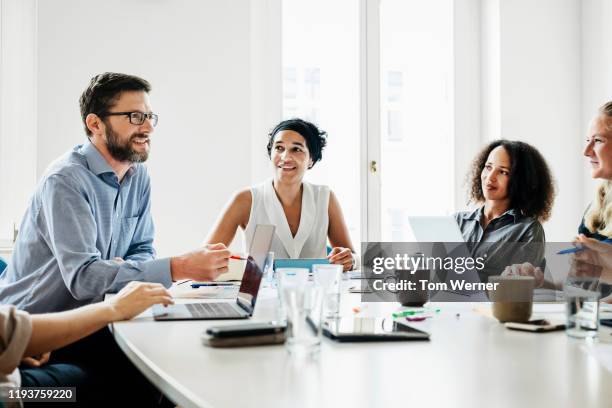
(594, 261)
(54, 330)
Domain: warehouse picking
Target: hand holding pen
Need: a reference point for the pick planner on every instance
(203, 264)
(594, 259)
(196, 285)
(582, 242)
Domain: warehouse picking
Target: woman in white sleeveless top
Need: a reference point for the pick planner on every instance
(305, 215)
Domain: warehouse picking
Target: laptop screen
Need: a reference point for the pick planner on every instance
(255, 266)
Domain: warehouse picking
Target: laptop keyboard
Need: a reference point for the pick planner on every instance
(213, 310)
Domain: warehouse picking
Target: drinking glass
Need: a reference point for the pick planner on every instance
(302, 301)
(582, 307)
(329, 277)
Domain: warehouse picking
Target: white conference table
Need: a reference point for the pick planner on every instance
(470, 361)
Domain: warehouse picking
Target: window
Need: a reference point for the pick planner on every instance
(290, 83)
(394, 86)
(414, 145)
(416, 139)
(320, 56)
(312, 82)
(394, 126)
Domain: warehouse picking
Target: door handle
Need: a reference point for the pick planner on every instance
(373, 167)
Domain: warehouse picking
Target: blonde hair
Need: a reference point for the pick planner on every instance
(598, 218)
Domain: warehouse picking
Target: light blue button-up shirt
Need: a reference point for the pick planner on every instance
(78, 220)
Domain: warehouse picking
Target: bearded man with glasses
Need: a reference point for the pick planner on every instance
(88, 228)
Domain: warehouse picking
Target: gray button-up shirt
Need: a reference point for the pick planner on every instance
(508, 239)
(78, 220)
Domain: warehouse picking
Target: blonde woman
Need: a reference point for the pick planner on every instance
(597, 222)
(596, 225)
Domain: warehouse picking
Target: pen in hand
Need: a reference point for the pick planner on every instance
(196, 285)
(581, 248)
(185, 281)
(239, 258)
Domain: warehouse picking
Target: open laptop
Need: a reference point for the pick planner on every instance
(445, 231)
(435, 229)
(247, 295)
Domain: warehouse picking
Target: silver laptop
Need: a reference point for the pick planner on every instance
(435, 229)
(444, 230)
(244, 305)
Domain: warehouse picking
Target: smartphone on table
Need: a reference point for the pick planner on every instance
(249, 334)
(535, 326)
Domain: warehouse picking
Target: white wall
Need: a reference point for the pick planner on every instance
(196, 54)
(596, 70)
(467, 114)
(490, 119)
(17, 110)
(537, 47)
(266, 81)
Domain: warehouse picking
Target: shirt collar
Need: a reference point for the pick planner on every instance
(473, 215)
(97, 163)
(514, 213)
(476, 215)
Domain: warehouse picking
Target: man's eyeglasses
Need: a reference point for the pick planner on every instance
(136, 118)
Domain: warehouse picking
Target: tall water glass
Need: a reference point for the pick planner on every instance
(329, 276)
(582, 306)
(302, 302)
(269, 269)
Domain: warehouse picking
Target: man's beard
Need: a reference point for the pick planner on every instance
(124, 152)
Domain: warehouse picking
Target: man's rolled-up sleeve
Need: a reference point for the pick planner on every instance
(68, 223)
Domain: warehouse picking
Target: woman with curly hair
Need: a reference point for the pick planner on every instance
(305, 215)
(513, 186)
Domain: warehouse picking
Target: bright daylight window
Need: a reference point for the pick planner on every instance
(321, 71)
(320, 56)
(416, 136)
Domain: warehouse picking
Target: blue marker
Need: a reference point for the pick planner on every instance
(580, 248)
